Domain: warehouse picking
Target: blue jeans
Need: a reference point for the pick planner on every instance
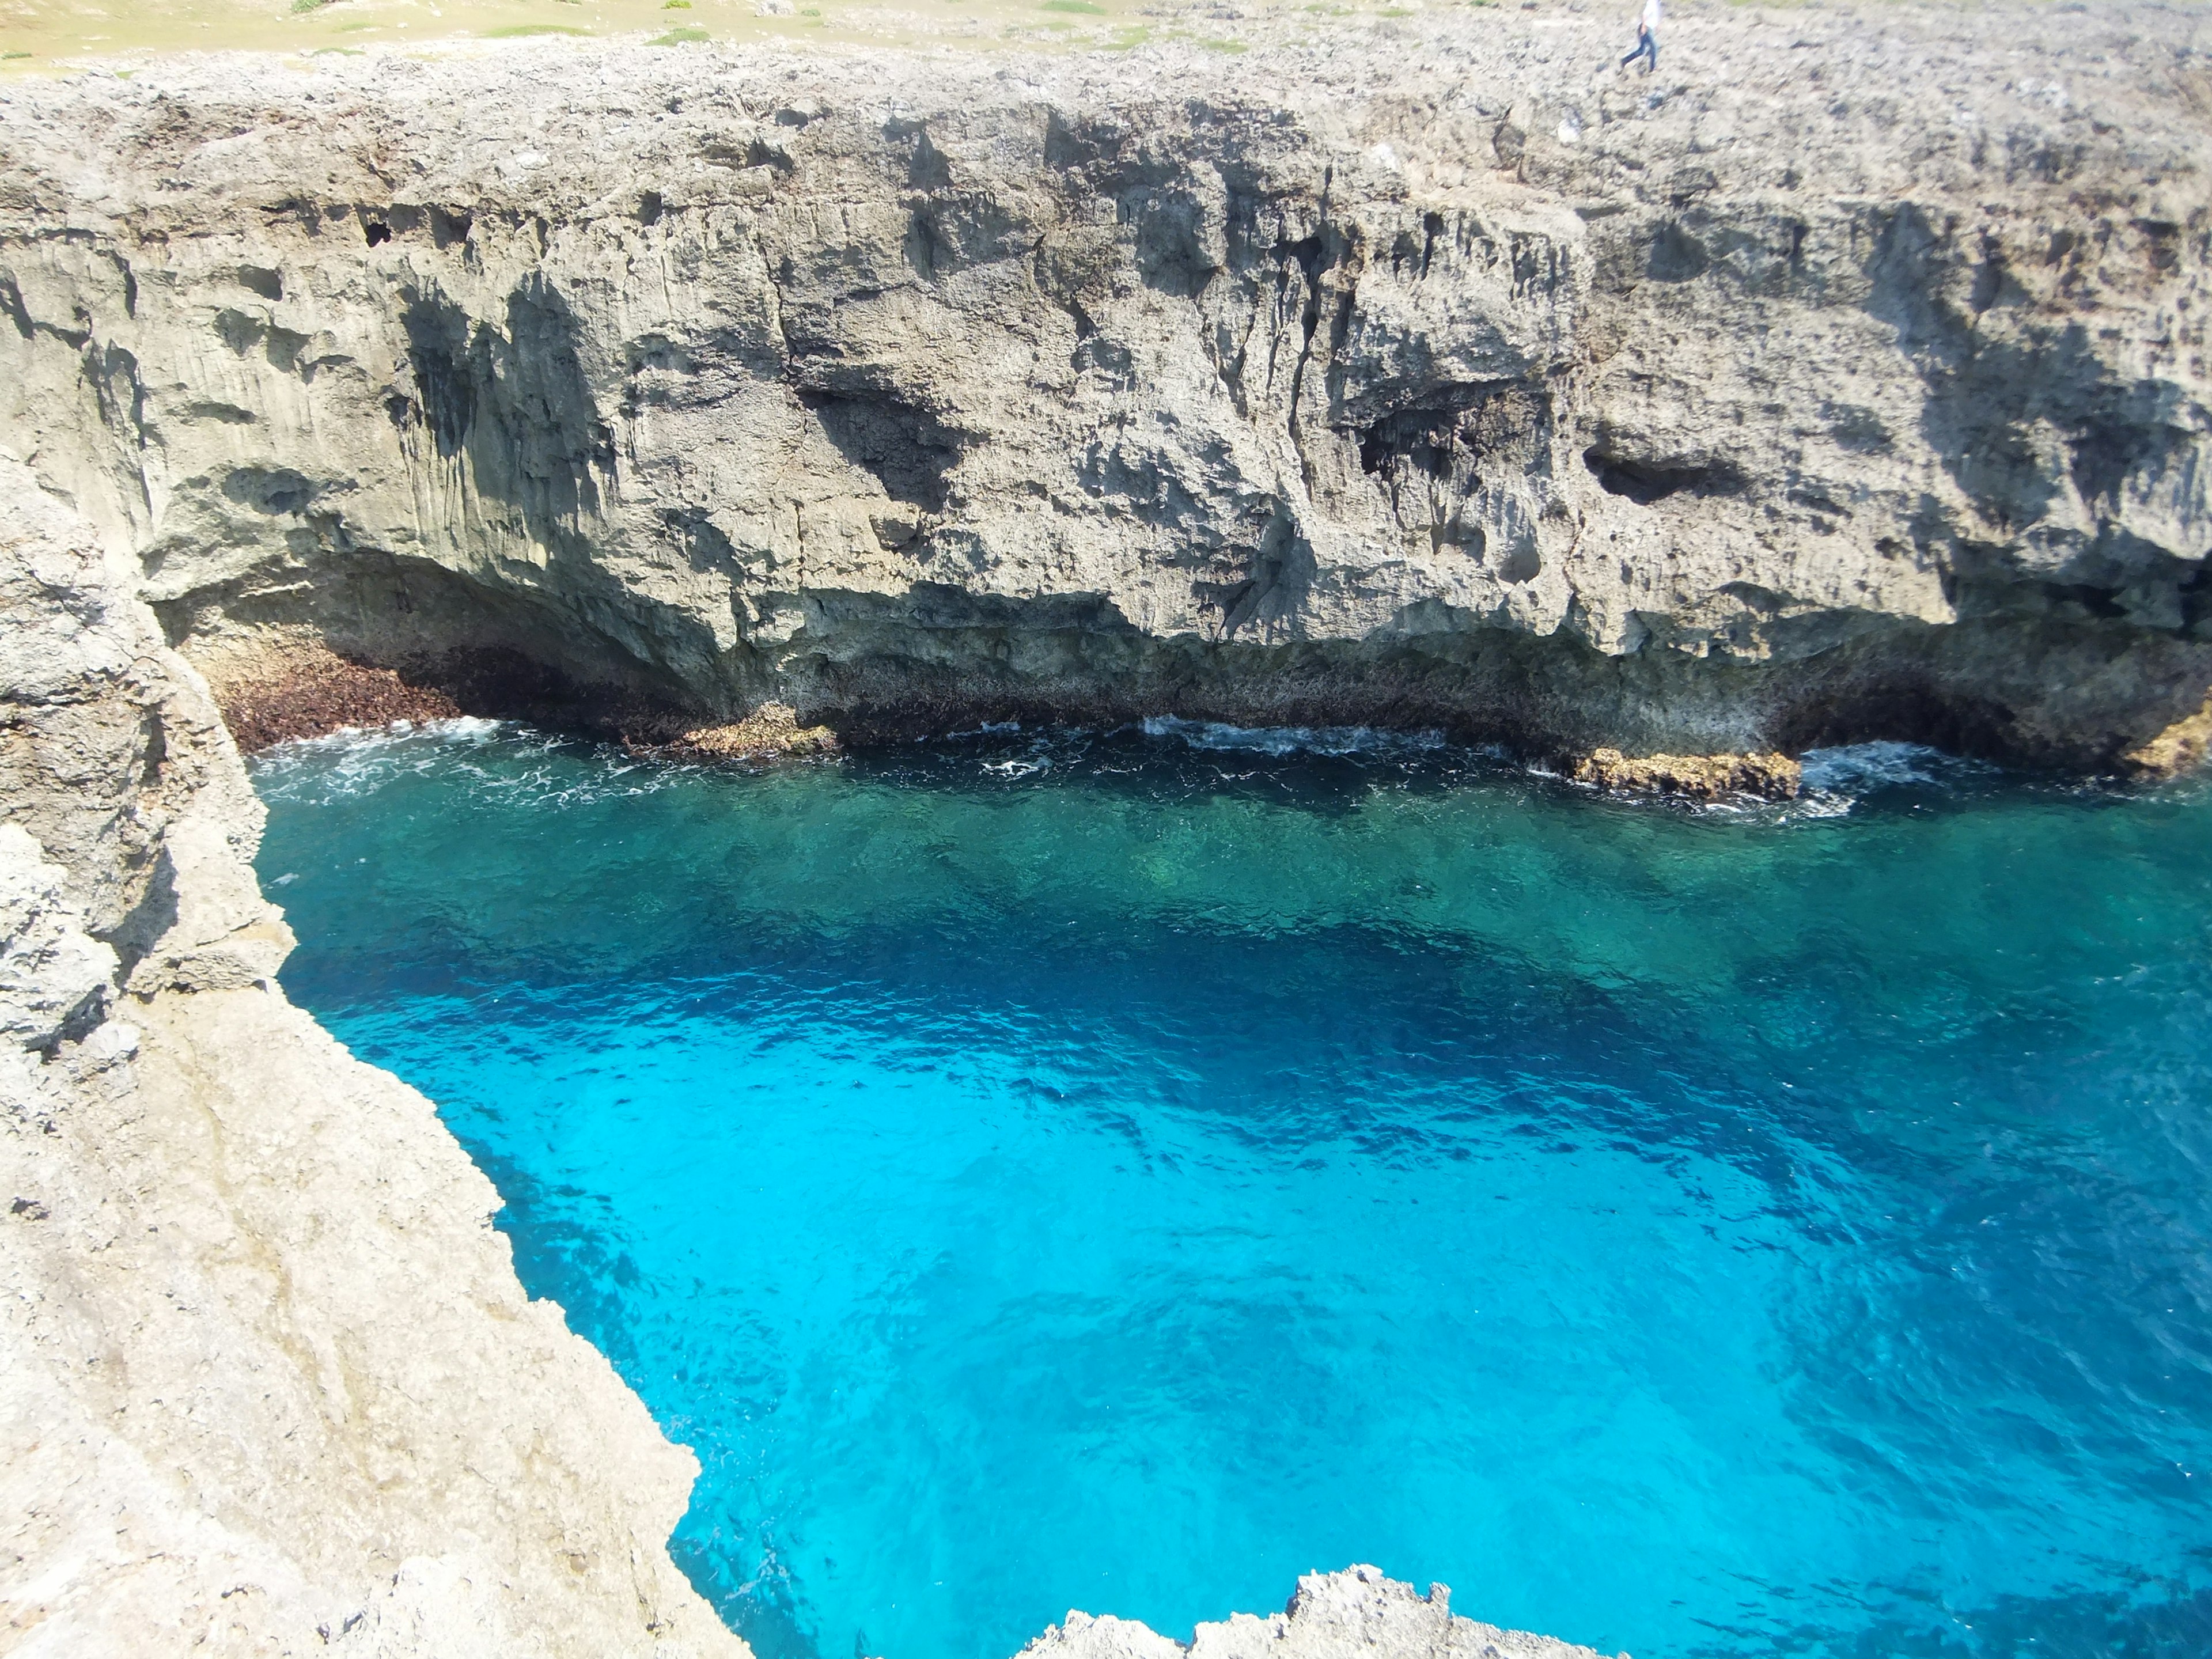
(1646, 47)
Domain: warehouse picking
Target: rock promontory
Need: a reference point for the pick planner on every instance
(268, 1383)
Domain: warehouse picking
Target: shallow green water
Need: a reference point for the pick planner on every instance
(1125, 1173)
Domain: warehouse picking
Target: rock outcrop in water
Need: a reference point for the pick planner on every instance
(1332, 1615)
(267, 1382)
(1846, 380)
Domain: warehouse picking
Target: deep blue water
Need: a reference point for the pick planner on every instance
(1125, 1173)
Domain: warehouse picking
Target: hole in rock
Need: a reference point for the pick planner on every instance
(1646, 482)
(909, 451)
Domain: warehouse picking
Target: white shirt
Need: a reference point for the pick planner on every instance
(1651, 15)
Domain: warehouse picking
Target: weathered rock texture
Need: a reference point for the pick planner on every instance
(268, 1383)
(1333, 1616)
(1701, 777)
(1847, 379)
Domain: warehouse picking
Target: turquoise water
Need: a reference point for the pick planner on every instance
(1128, 1172)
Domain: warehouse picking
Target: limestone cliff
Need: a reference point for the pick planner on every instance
(1845, 380)
(267, 1382)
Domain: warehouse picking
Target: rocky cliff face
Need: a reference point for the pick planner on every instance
(1846, 379)
(267, 1383)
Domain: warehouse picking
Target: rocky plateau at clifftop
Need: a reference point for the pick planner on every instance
(1844, 380)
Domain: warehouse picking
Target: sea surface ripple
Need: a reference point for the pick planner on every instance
(1125, 1171)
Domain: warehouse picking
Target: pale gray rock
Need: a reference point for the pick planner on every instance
(1333, 1616)
(52, 976)
(1846, 379)
(268, 1384)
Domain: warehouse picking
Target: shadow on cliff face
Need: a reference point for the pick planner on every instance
(409, 639)
(2034, 692)
(514, 408)
(906, 448)
(2001, 389)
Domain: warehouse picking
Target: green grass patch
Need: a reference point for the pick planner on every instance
(299, 6)
(1128, 39)
(1229, 46)
(516, 31)
(1083, 6)
(679, 37)
(1394, 11)
(676, 5)
(5, 56)
(338, 52)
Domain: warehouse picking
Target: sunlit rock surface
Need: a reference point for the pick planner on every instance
(1356, 1611)
(1846, 379)
(267, 1382)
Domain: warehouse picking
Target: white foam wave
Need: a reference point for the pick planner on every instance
(358, 761)
(1218, 735)
(1858, 767)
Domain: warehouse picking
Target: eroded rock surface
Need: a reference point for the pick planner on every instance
(268, 1383)
(1700, 777)
(1332, 1616)
(1847, 379)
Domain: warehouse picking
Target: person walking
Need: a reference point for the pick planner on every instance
(1647, 38)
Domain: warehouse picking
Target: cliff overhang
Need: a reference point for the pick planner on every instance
(1854, 387)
